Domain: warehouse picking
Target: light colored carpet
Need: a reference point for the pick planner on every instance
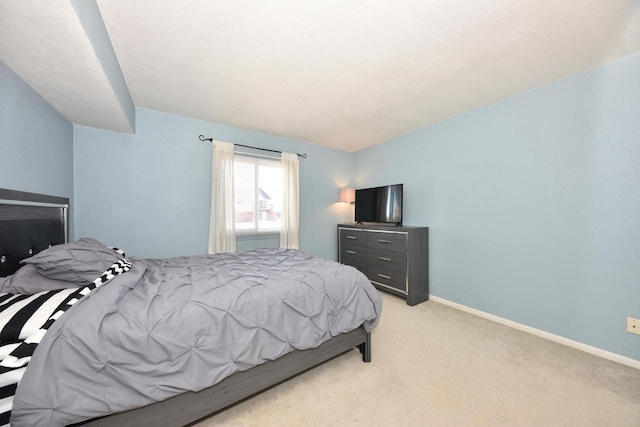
(436, 366)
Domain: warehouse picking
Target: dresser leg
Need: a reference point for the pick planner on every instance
(416, 300)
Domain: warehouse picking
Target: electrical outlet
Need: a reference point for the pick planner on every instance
(633, 325)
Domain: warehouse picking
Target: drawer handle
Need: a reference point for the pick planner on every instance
(352, 252)
(384, 241)
(381, 258)
(352, 237)
(384, 276)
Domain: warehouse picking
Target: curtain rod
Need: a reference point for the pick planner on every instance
(303, 155)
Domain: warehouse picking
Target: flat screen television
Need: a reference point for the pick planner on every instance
(379, 204)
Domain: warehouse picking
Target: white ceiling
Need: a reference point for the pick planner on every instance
(342, 74)
(45, 44)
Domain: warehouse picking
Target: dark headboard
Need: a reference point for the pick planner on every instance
(29, 223)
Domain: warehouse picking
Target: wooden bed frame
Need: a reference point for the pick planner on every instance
(189, 407)
(50, 212)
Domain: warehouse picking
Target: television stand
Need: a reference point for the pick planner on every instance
(394, 258)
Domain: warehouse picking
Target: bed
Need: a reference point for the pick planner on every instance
(179, 395)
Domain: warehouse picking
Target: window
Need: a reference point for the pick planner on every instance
(258, 193)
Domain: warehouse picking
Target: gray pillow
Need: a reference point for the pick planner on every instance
(28, 281)
(79, 262)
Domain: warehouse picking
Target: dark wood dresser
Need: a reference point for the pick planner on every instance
(394, 259)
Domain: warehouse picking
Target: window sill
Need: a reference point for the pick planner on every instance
(253, 233)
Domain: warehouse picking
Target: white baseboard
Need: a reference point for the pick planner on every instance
(547, 335)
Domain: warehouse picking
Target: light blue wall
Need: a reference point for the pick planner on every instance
(36, 142)
(533, 204)
(149, 193)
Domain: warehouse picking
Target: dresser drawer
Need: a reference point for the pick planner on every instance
(388, 259)
(395, 242)
(352, 252)
(361, 266)
(353, 237)
(387, 276)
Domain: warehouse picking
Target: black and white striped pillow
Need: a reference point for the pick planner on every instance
(22, 315)
(15, 356)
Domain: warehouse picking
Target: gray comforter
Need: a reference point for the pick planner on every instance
(178, 324)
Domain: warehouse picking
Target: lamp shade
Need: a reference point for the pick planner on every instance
(348, 195)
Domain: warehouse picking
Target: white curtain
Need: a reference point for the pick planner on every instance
(290, 202)
(222, 230)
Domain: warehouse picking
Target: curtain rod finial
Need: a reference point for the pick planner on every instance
(202, 138)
